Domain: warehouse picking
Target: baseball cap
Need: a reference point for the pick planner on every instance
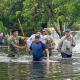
(68, 30)
(14, 30)
(37, 36)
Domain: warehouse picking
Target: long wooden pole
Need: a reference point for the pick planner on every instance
(21, 27)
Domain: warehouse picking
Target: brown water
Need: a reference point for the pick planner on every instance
(64, 69)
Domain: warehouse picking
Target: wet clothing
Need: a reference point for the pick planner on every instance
(45, 39)
(1, 40)
(31, 39)
(37, 49)
(65, 46)
(64, 55)
(13, 50)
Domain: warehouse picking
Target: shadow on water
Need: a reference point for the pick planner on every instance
(65, 69)
(32, 71)
(3, 71)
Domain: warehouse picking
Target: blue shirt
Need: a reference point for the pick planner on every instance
(38, 49)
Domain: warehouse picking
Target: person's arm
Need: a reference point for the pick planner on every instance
(22, 37)
(73, 42)
(11, 41)
(44, 46)
(17, 46)
(47, 53)
(60, 44)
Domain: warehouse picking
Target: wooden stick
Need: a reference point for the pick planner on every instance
(21, 27)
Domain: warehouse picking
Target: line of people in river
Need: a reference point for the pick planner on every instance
(38, 44)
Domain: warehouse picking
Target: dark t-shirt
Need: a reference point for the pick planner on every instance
(38, 49)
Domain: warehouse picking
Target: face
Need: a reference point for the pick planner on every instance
(37, 39)
(44, 32)
(67, 34)
(15, 33)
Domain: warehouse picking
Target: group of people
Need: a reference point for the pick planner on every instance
(38, 44)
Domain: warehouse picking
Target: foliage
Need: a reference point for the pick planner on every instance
(36, 14)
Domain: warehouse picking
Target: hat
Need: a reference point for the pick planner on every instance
(68, 30)
(37, 36)
(14, 30)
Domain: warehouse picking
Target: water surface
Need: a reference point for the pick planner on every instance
(63, 69)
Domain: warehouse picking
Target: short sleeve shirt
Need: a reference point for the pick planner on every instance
(13, 41)
(38, 49)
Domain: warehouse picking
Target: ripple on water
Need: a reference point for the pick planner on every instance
(56, 69)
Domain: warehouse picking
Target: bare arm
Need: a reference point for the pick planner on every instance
(17, 46)
(60, 43)
(47, 53)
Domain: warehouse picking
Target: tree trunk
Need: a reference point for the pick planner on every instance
(61, 29)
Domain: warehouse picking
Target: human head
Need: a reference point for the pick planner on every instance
(15, 32)
(38, 33)
(44, 32)
(37, 37)
(68, 32)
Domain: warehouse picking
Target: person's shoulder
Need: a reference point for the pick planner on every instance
(18, 38)
(33, 42)
(32, 35)
(45, 37)
(63, 37)
(10, 38)
(43, 44)
(41, 35)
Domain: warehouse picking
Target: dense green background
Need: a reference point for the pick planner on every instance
(31, 15)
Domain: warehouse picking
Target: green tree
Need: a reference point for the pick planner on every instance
(8, 12)
(32, 15)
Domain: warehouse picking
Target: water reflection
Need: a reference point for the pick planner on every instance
(18, 71)
(3, 71)
(32, 71)
(13, 71)
(39, 70)
(66, 69)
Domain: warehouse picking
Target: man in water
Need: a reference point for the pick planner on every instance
(14, 44)
(38, 48)
(66, 44)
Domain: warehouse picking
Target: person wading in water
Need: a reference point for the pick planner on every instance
(14, 44)
(66, 44)
(37, 48)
